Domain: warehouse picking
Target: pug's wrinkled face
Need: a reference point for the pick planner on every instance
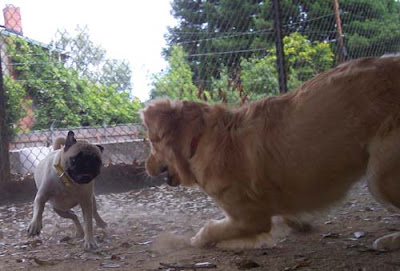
(82, 160)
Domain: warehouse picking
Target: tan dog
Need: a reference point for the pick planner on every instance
(65, 178)
(285, 155)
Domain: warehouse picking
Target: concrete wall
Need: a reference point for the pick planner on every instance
(23, 161)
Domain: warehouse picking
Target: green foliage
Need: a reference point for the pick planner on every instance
(218, 34)
(90, 60)
(225, 89)
(63, 95)
(257, 77)
(306, 59)
(16, 103)
(206, 29)
(176, 81)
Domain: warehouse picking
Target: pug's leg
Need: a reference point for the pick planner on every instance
(87, 210)
(71, 215)
(232, 233)
(38, 206)
(99, 221)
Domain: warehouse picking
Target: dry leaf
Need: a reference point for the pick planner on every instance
(110, 265)
(331, 235)
(43, 263)
(359, 234)
(247, 264)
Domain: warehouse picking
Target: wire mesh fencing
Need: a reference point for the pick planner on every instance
(123, 144)
(226, 50)
(218, 51)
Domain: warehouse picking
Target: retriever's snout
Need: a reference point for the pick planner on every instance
(164, 169)
(153, 166)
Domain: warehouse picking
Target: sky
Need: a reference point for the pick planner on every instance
(127, 29)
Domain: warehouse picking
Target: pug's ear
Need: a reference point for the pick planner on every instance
(100, 147)
(69, 141)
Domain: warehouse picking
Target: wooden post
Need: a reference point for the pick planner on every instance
(339, 53)
(280, 54)
(4, 148)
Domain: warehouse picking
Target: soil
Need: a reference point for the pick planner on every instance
(149, 228)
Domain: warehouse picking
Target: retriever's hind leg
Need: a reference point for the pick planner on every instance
(383, 177)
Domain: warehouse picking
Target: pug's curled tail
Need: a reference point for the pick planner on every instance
(60, 141)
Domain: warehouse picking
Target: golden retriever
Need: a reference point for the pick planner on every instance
(285, 155)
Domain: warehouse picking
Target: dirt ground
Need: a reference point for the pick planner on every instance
(148, 229)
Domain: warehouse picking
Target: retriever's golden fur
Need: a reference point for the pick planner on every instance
(284, 155)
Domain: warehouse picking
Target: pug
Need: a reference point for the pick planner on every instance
(65, 178)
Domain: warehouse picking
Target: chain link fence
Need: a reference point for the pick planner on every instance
(226, 50)
(219, 51)
(122, 144)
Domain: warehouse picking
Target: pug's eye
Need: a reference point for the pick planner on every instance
(73, 160)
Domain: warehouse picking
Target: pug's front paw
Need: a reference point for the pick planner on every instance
(34, 228)
(79, 233)
(101, 223)
(91, 245)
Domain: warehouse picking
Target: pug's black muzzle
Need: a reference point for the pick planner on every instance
(82, 178)
(85, 169)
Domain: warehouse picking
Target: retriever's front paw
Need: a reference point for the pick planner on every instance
(35, 227)
(198, 240)
(203, 237)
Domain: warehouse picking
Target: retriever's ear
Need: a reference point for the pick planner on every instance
(161, 117)
(193, 114)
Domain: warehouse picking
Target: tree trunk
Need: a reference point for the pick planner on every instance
(4, 147)
(280, 54)
(340, 53)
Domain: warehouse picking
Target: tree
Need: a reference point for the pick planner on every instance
(16, 103)
(90, 59)
(214, 34)
(373, 29)
(370, 27)
(219, 34)
(176, 82)
(305, 59)
(64, 95)
(117, 74)
(4, 136)
(256, 79)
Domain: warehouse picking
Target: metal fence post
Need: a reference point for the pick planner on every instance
(4, 140)
(280, 54)
(339, 54)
